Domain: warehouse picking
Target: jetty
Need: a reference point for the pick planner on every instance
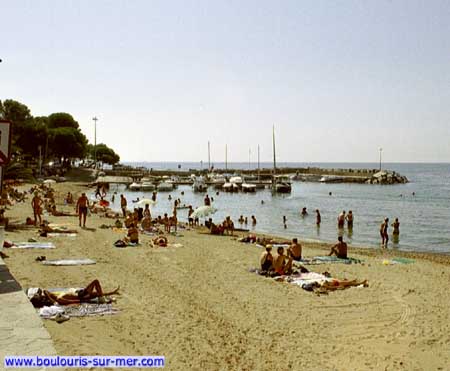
(262, 177)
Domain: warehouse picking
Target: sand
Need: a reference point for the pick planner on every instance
(198, 305)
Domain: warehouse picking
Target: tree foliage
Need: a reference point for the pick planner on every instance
(105, 154)
(58, 135)
(62, 120)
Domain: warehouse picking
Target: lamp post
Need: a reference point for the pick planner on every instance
(381, 150)
(95, 141)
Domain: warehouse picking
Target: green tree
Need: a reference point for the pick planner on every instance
(62, 120)
(67, 143)
(105, 154)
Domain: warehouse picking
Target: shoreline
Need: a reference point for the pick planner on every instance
(198, 305)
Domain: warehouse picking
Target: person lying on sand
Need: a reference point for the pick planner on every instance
(91, 291)
(160, 241)
(340, 249)
(60, 213)
(45, 228)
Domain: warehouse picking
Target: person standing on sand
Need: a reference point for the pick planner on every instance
(82, 208)
(123, 205)
(36, 204)
(384, 232)
(341, 220)
(318, 218)
(349, 219)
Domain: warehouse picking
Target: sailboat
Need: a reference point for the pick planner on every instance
(280, 183)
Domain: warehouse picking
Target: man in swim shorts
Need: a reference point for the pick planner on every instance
(36, 204)
(295, 250)
(82, 208)
(340, 249)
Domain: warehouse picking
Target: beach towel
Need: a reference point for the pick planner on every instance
(328, 260)
(33, 245)
(69, 262)
(58, 234)
(82, 310)
(394, 261)
(123, 244)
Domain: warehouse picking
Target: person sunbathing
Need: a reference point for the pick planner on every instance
(267, 259)
(228, 226)
(45, 228)
(146, 224)
(160, 241)
(90, 292)
(282, 264)
(132, 234)
(60, 213)
(295, 250)
(216, 229)
(340, 249)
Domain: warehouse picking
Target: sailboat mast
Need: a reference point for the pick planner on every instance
(274, 153)
(258, 163)
(226, 156)
(209, 157)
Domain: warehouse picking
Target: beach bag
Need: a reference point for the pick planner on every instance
(120, 243)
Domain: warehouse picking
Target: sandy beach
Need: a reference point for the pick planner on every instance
(200, 307)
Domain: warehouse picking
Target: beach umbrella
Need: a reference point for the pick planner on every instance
(49, 181)
(145, 201)
(203, 211)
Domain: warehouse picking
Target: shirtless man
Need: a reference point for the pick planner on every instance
(123, 205)
(133, 234)
(146, 224)
(295, 250)
(190, 218)
(82, 208)
(36, 204)
(340, 249)
(341, 220)
(207, 201)
(228, 225)
(267, 259)
(384, 232)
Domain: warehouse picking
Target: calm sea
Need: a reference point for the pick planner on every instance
(424, 217)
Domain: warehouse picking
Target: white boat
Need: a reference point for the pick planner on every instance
(236, 180)
(199, 185)
(147, 186)
(281, 184)
(230, 187)
(218, 180)
(247, 187)
(164, 187)
(331, 179)
(134, 186)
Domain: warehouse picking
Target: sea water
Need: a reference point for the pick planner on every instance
(422, 206)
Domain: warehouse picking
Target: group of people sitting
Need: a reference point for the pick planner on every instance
(226, 227)
(282, 263)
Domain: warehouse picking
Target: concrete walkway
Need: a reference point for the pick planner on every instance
(21, 329)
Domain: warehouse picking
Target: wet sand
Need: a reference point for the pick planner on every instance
(198, 305)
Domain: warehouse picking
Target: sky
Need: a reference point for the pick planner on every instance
(337, 79)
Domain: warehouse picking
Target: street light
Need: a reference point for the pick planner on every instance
(381, 150)
(95, 141)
